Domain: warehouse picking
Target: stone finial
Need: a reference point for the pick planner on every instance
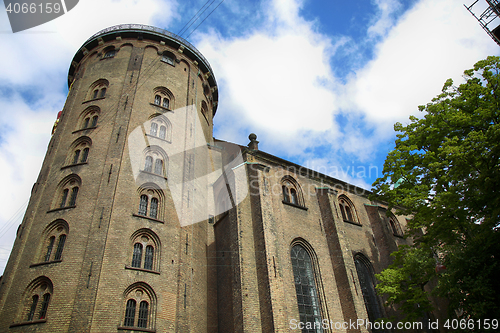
(254, 144)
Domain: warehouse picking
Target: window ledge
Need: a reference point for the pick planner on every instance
(158, 138)
(135, 329)
(399, 236)
(33, 322)
(161, 107)
(148, 218)
(45, 263)
(294, 205)
(153, 174)
(58, 209)
(142, 269)
(84, 129)
(353, 223)
(72, 165)
(93, 99)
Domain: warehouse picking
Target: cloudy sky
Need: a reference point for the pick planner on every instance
(321, 83)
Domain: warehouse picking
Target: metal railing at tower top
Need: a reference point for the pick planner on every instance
(143, 27)
(489, 17)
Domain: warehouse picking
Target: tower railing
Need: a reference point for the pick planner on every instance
(143, 27)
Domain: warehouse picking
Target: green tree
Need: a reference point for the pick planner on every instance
(445, 171)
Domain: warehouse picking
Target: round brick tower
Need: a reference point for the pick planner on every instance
(114, 238)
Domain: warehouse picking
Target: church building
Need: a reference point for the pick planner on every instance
(141, 221)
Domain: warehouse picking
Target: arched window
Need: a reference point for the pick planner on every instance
(163, 132)
(98, 88)
(143, 205)
(85, 155)
(163, 97)
(155, 160)
(154, 129)
(80, 150)
(395, 226)
(159, 166)
(305, 287)
(291, 191)
(89, 118)
(160, 127)
(145, 246)
(347, 210)
(140, 306)
(168, 57)
(137, 256)
(68, 191)
(53, 241)
(148, 165)
(365, 277)
(157, 99)
(37, 295)
(151, 199)
(153, 211)
(109, 53)
(130, 313)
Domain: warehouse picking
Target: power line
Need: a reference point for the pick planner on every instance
(184, 27)
(205, 19)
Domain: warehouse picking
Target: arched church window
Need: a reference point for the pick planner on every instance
(365, 277)
(305, 287)
(347, 209)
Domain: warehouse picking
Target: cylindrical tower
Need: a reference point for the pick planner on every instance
(114, 238)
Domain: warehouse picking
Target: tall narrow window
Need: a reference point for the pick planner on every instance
(159, 167)
(76, 156)
(74, 193)
(293, 196)
(166, 103)
(60, 247)
(142, 321)
(103, 92)
(346, 209)
(94, 121)
(163, 132)
(153, 210)
(34, 303)
(130, 313)
(148, 258)
(143, 205)
(157, 99)
(368, 289)
(286, 196)
(85, 155)
(95, 94)
(64, 198)
(154, 129)
(305, 287)
(49, 248)
(137, 256)
(45, 306)
(148, 165)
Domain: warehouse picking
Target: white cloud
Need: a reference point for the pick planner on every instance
(434, 41)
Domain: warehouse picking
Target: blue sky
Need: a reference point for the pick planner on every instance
(321, 83)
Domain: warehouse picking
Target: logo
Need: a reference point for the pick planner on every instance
(31, 13)
(170, 158)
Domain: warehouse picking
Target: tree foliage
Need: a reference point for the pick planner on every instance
(445, 171)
